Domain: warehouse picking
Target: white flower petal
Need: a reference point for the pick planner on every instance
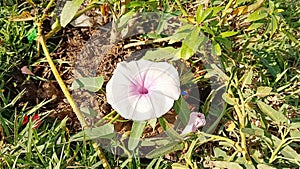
(143, 110)
(119, 99)
(162, 104)
(165, 83)
(142, 90)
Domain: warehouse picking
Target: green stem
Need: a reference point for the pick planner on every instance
(181, 8)
(79, 13)
(105, 117)
(60, 81)
(41, 40)
(232, 156)
(48, 6)
(242, 120)
(114, 119)
(274, 153)
(243, 135)
(89, 7)
(220, 138)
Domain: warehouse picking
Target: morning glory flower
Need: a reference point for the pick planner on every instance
(142, 90)
(196, 120)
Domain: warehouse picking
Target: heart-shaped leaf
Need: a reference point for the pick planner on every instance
(92, 84)
(69, 11)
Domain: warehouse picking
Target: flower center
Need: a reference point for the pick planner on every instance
(143, 90)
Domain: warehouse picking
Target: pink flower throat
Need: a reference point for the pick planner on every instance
(143, 90)
(140, 87)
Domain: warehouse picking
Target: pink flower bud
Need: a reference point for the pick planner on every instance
(196, 120)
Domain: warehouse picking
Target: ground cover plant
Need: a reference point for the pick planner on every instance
(218, 83)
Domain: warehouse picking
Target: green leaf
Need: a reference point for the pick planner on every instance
(272, 26)
(158, 142)
(295, 134)
(160, 54)
(286, 151)
(225, 42)
(216, 10)
(205, 28)
(228, 34)
(224, 164)
(181, 33)
(179, 166)
(175, 146)
(264, 166)
(92, 84)
(137, 130)
(216, 48)
(61, 125)
(182, 109)
(219, 72)
(272, 113)
(89, 112)
(151, 164)
(219, 153)
(279, 76)
(291, 37)
(256, 5)
(168, 129)
(152, 123)
(122, 21)
(208, 101)
(295, 125)
(188, 155)
(105, 131)
(256, 155)
(69, 11)
(238, 2)
(163, 23)
(271, 64)
(254, 26)
(191, 43)
(230, 100)
(271, 6)
(257, 15)
(201, 14)
(253, 132)
(227, 8)
(247, 78)
(263, 91)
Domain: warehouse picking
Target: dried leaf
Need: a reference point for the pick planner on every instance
(24, 16)
(26, 71)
